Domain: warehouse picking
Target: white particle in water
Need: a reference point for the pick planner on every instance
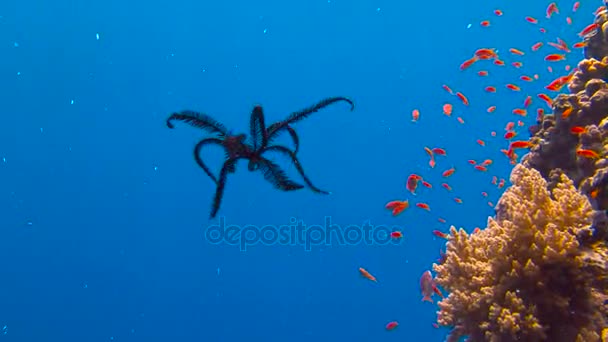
(71, 102)
(469, 26)
(97, 36)
(15, 44)
(265, 30)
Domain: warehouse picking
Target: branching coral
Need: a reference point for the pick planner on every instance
(529, 276)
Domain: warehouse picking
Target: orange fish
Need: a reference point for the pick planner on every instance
(448, 89)
(397, 206)
(589, 29)
(481, 142)
(430, 153)
(449, 172)
(458, 200)
(528, 101)
(485, 23)
(463, 98)
(510, 135)
(446, 186)
(466, 64)
(513, 87)
(480, 168)
(367, 275)
(415, 115)
(498, 12)
(427, 184)
(423, 206)
(537, 46)
(579, 45)
(517, 64)
(519, 111)
(490, 89)
(546, 98)
(447, 109)
(554, 57)
(526, 78)
(587, 154)
(578, 129)
(594, 193)
(566, 113)
(440, 234)
(491, 109)
(516, 51)
(482, 73)
(412, 183)
(520, 144)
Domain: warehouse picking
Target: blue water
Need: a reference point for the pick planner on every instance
(104, 212)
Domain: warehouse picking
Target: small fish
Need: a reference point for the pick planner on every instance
(412, 183)
(447, 109)
(391, 325)
(396, 235)
(531, 20)
(587, 154)
(423, 206)
(589, 29)
(463, 98)
(440, 234)
(415, 115)
(367, 275)
(516, 52)
(397, 206)
(554, 57)
(448, 172)
(439, 151)
(427, 286)
(513, 87)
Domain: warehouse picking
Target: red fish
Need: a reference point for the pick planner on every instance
(412, 183)
(391, 325)
(397, 206)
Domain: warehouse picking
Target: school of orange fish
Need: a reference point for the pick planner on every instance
(555, 55)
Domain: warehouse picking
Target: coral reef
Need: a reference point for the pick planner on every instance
(539, 271)
(533, 274)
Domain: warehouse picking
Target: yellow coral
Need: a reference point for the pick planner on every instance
(527, 277)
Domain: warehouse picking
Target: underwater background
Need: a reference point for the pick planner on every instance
(105, 214)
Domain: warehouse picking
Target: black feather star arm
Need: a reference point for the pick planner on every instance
(277, 177)
(199, 160)
(294, 137)
(285, 151)
(304, 113)
(257, 126)
(229, 167)
(198, 120)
